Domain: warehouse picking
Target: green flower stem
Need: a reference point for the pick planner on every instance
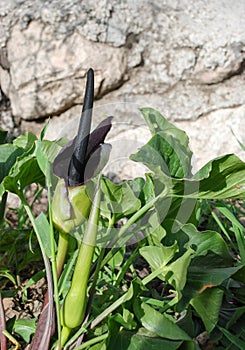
(94, 276)
(96, 273)
(126, 265)
(80, 332)
(61, 251)
(93, 341)
(75, 302)
(74, 306)
(152, 275)
(64, 336)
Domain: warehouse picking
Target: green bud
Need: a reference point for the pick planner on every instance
(70, 206)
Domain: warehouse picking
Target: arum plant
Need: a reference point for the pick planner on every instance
(78, 162)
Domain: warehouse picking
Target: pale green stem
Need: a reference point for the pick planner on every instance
(125, 266)
(74, 306)
(93, 341)
(98, 264)
(64, 336)
(82, 330)
(94, 278)
(152, 275)
(61, 251)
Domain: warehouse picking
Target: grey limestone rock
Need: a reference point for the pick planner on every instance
(184, 58)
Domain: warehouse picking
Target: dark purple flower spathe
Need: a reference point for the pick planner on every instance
(79, 160)
(86, 155)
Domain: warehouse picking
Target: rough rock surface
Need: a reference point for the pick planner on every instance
(184, 58)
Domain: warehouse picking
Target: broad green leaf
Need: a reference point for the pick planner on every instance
(43, 228)
(127, 325)
(46, 152)
(111, 190)
(137, 185)
(219, 185)
(154, 161)
(8, 156)
(207, 305)
(118, 199)
(189, 345)
(157, 123)
(143, 189)
(25, 141)
(158, 323)
(154, 230)
(176, 274)
(206, 241)
(24, 172)
(117, 259)
(148, 188)
(167, 154)
(168, 149)
(158, 256)
(163, 157)
(240, 276)
(133, 290)
(199, 278)
(222, 178)
(129, 319)
(143, 340)
(25, 328)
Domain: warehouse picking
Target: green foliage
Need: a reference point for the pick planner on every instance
(183, 276)
(162, 325)
(207, 305)
(25, 327)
